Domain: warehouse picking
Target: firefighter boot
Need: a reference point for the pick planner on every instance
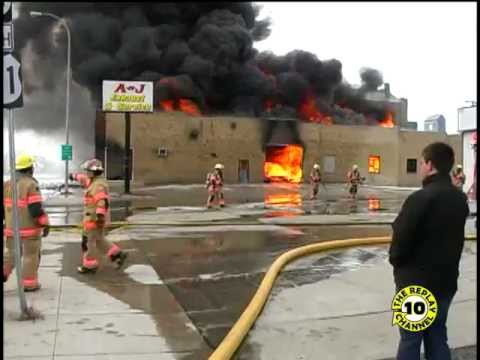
(119, 259)
(31, 289)
(84, 270)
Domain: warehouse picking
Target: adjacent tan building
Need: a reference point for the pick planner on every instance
(172, 147)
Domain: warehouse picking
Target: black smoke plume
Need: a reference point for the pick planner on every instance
(371, 79)
(201, 45)
(199, 51)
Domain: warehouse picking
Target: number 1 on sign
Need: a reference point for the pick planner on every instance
(11, 78)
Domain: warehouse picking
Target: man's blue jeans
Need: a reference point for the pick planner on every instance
(434, 338)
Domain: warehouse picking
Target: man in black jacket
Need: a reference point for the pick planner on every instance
(427, 242)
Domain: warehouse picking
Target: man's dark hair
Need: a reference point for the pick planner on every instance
(441, 155)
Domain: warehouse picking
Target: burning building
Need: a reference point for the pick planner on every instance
(174, 147)
(216, 97)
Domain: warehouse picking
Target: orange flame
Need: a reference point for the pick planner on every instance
(388, 121)
(189, 107)
(185, 105)
(284, 163)
(167, 105)
(308, 111)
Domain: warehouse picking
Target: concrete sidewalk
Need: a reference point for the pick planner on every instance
(132, 314)
(92, 317)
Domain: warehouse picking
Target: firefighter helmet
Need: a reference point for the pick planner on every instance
(355, 167)
(24, 161)
(219, 166)
(316, 166)
(92, 165)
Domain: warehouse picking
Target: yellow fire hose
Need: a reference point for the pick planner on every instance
(237, 333)
(240, 329)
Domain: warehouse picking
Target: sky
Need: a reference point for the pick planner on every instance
(427, 51)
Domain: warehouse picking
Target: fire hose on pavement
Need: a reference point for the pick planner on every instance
(240, 329)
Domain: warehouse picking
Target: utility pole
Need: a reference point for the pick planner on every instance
(128, 161)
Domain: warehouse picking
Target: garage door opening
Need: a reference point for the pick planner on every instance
(283, 163)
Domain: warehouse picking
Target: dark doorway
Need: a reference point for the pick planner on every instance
(243, 171)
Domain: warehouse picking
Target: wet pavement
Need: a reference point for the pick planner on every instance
(260, 203)
(169, 204)
(215, 274)
(185, 284)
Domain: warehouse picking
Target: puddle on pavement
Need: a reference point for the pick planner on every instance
(213, 275)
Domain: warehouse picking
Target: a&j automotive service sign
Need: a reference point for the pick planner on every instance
(127, 96)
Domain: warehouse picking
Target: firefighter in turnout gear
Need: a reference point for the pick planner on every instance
(353, 180)
(96, 215)
(458, 177)
(32, 220)
(214, 185)
(315, 179)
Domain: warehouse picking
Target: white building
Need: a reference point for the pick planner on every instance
(435, 123)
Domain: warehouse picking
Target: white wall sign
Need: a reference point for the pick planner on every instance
(127, 96)
(8, 37)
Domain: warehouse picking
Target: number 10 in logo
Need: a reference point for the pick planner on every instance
(414, 308)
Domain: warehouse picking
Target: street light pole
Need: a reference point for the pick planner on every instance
(67, 103)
